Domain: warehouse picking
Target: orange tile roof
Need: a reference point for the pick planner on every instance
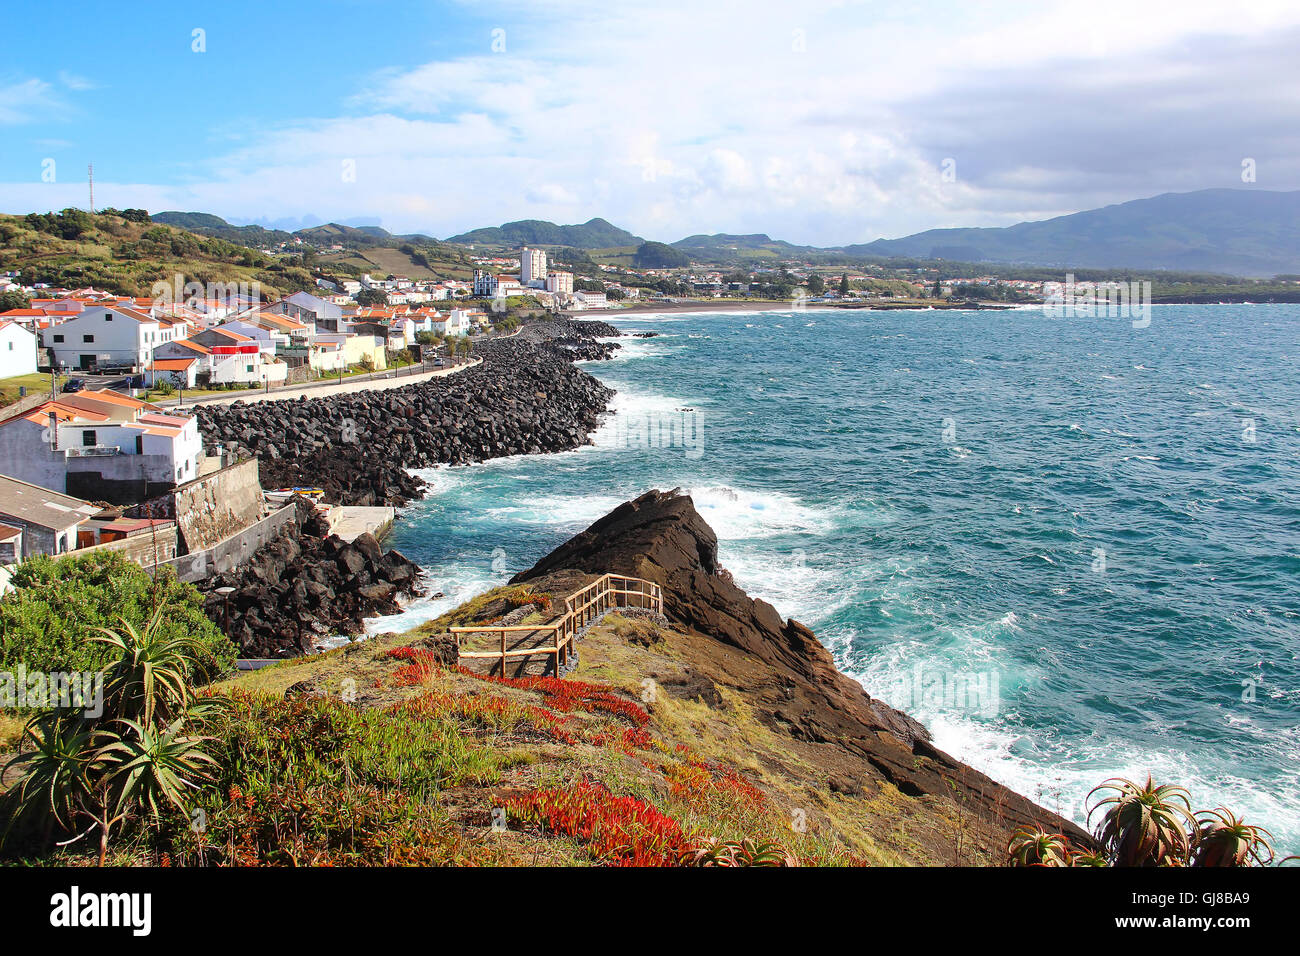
(171, 365)
(201, 349)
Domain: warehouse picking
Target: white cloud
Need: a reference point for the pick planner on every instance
(670, 118)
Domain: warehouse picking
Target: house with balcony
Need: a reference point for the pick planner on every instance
(101, 445)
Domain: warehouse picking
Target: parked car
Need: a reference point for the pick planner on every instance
(73, 385)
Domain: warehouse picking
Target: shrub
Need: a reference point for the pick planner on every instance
(48, 621)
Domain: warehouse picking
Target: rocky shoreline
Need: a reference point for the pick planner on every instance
(526, 398)
(307, 585)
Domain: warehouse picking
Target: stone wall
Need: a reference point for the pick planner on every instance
(228, 554)
(210, 509)
(141, 548)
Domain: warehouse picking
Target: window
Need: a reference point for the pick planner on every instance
(139, 444)
(108, 316)
(88, 438)
(248, 368)
(58, 338)
(87, 338)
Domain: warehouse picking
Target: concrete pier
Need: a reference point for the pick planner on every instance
(349, 522)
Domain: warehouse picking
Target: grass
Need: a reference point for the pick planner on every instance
(36, 382)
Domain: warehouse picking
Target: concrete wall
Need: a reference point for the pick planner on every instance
(218, 505)
(232, 552)
(141, 548)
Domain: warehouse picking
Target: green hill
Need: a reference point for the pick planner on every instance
(593, 234)
(75, 249)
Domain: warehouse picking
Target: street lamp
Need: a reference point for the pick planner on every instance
(225, 608)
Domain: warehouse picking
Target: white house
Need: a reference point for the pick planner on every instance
(101, 445)
(17, 350)
(458, 322)
(101, 336)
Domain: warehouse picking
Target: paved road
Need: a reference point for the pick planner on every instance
(322, 389)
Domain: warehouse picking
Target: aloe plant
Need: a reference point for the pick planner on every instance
(139, 757)
(1034, 846)
(151, 676)
(1144, 825)
(1227, 840)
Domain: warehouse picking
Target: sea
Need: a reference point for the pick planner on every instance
(1068, 545)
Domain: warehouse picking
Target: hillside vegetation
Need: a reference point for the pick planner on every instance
(113, 253)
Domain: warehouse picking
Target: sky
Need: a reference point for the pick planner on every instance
(824, 122)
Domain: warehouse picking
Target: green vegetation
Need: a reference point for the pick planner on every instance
(1149, 825)
(128, 760)
(49, 620)
(593, 234)
(658, 255)
(125, 256)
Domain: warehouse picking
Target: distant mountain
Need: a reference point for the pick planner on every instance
(206, 224)
(1238, 231)
(593, 234)
(724, 246)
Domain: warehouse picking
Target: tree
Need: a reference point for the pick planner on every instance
(937, 291)
(131, 754)
(844, 284)
(816, 285)
(372, 297)
(14, 300)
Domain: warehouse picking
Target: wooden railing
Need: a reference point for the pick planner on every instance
(580, 608)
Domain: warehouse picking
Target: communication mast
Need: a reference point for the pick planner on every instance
(90, 172)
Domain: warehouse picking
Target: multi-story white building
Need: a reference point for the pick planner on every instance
(102, 445)
(532, 267)
(560, 282)
(101, 336)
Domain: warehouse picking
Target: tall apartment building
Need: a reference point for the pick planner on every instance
(532, 267)
(560, 282)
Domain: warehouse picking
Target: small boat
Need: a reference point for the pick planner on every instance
(284, 494)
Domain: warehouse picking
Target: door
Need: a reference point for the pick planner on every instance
(86, 363)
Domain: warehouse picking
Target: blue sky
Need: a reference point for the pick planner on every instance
(827, 121)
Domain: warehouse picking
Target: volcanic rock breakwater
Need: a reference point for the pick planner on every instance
(525, 398)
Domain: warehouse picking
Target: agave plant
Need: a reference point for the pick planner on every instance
(1034, 846)
(1227, 840)
(151, 677)
(56, 771)
(743, 853)
(1088, 858)
(1144, 825)
(150, 767)
(140, 757)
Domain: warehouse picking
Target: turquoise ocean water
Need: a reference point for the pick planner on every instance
(1070, 547)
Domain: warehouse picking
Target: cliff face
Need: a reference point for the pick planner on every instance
(781, 671)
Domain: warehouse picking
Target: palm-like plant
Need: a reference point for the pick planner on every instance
(137, 758)
(1144, 825)
(1227, 840)
(151, 677)
(55, 771)
(151, 767)
(1034, 846)
(737, 853)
